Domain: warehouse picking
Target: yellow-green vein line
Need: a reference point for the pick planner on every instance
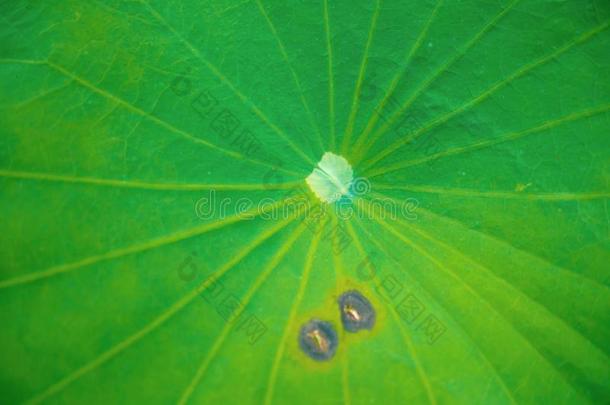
(331, 79)
(578, 339)
(468, 288)
(356, 98)
(395, 81)
(483, 356)
(155, 323)
(340, 270)
(561, 271)
(295, 77)
(423, 377)
(293, 310)
(138, 247)
(125, 104)
(491, 142)
(143, 185)
(271, 265)
(24, 103)
(262, 116)
(490, 91)
(509, 195)
(420, 90)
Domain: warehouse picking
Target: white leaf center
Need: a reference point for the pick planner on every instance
(331, 179)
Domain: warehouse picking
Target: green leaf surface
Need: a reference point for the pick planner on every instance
(483, 125)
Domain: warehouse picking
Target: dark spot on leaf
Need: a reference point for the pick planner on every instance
(356, 311)
(318, 340)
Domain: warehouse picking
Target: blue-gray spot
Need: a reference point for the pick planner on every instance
(356, 311)
(318, 340)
